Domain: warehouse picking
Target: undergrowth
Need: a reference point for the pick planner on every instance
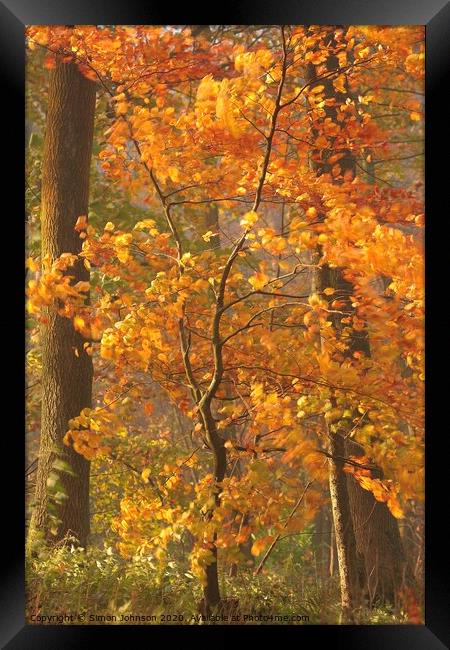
(68, 585)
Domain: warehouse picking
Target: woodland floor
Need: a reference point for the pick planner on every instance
(99, 587)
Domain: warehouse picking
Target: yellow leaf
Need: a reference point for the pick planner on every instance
(121, 108)
(78, 323)
(81, 223)
(146, 224)
(395, 508)
(207, 236)
(225, 110)
(311, 212)
(123, 255)
(145, 474)
(174, 174)
(259, 280)
(249, 219)
(339, 84)
(31, 264)
(315, 57)
(258, 547)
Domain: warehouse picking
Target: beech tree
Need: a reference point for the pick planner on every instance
(62, 484)
(254, 156)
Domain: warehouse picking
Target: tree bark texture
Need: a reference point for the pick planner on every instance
(383, 569)
(343, 526)
(66, 367)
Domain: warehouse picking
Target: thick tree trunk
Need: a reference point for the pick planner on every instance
(66, 368)
(382, 562)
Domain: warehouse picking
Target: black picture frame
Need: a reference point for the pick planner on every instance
(435, 15)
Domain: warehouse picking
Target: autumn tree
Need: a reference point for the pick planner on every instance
(225, 135)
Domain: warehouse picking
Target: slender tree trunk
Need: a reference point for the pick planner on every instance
(339, 495)
(211, 222)
(413, 540)
(343, 526)
(211, 592)
(380, 562)
(340, 504)
(66, 368)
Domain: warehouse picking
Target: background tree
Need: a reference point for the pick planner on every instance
(379, 563)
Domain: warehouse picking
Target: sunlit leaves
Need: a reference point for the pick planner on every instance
(54, 287)
(385, 490)
(92, 431)
(260, 545)
(172, 301)
(253, 64)
(249, 219)
(259, 280)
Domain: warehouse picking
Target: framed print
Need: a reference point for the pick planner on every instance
(228, 418)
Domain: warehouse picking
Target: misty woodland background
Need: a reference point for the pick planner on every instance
(225, 322)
